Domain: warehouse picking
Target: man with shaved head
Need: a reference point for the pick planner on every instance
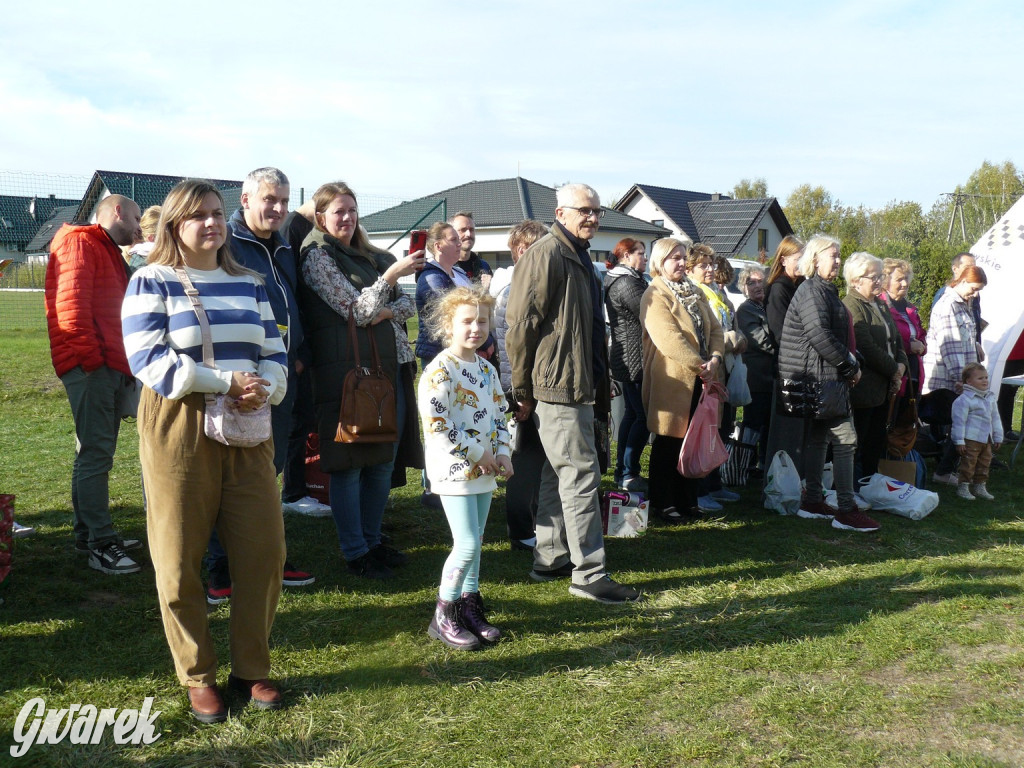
(86, 280)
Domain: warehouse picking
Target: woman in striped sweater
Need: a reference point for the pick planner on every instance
(193, 482)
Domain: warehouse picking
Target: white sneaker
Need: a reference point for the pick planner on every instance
(21, 531)
(978, 489)
(307, 506)
(963, 490)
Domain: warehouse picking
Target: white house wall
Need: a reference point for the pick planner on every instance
(642, 207)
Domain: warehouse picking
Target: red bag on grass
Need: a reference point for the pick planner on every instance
(703, 450)
(6, 533)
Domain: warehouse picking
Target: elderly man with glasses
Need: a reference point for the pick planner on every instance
(557, 355)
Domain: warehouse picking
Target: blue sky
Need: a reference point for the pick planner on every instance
(876, 101)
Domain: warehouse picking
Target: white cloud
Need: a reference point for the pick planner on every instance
(874, 100)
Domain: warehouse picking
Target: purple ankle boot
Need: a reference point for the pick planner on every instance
(471, 611)
(446, 627)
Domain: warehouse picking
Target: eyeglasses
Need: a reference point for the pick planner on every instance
(586, 213)
(872, 278)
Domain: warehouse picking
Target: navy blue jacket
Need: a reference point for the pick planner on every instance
(279, 272)
(431, 283)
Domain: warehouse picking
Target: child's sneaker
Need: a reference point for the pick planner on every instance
(981, 492)
(964, 491)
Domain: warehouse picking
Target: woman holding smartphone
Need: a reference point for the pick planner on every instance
(342, 274)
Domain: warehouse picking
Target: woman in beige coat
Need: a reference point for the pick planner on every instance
(683, 345)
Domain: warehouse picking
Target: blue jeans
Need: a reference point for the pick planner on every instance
(358, 497)
(633, 434)
(467, 517)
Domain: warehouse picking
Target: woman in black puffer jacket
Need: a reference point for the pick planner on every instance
(817, 367)
(624, 288)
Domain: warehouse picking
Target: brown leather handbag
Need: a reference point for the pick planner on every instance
(369, 410)
(902, 424)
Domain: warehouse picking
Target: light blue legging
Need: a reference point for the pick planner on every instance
(467, 517)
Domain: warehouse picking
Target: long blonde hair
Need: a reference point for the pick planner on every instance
(181, 202)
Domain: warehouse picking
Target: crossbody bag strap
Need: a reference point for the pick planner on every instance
(204, 321)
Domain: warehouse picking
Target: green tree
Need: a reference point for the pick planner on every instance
(984, 198)
(750, 188)
(898, 228)
(811, 210)
(852, 228)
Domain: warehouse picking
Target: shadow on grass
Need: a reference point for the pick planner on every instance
(77, 624)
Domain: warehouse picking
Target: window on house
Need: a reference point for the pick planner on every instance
(762, 240)
(658, 222)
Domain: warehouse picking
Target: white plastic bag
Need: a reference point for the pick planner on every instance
(782, 485)
(898, 497)
(736, 384)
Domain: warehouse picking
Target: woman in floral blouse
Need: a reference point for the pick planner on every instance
(343, 273)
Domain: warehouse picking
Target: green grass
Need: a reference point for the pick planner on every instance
(766, 641)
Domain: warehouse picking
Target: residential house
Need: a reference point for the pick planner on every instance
(497, 205)
(750, 228)
(22, 216)
(146, 189)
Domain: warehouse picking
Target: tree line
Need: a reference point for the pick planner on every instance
(902, 229)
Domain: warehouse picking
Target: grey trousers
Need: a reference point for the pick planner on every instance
(569, 507)
(843, 437)
(96, 399)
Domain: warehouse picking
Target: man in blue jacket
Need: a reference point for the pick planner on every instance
(257, 244)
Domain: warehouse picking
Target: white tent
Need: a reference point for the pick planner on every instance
(1000, 252)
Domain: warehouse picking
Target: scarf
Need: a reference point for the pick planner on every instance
(689, 295)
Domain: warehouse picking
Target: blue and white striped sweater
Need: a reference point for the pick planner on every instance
(164, 343)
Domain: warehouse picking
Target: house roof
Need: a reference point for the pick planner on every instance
(726, 225)
(494, 203)
(18, 225)
(40, 243)
(146, 189)
(674, 202)
(716, 220)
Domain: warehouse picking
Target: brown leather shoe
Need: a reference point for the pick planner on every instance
(261, 693)
(207, 704)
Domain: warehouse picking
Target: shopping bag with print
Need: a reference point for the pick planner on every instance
(900, 498)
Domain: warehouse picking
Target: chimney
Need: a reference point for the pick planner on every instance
(716, 196)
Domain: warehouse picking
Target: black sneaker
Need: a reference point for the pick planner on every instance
(112, 559)
(562, 572)
(606, 590)
(218, 590)
(82, 545)
(369, 568)
(293, 577)
(389, 556)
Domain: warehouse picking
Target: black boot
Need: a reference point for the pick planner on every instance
(445, 626)
(471, 612)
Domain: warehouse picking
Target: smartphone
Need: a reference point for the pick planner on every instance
(417, 240)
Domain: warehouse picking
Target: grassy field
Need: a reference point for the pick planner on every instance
(765, 641)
